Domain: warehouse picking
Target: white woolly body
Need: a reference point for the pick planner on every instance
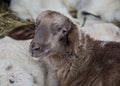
(102, 31)
(30, 9)
(17, 65)
(70, 4)
(109, 10)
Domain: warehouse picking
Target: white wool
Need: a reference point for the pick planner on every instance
(11, 74)
(70, 4)
(109, 10)
(16, 53)
(102, 31)
(30, 9)
(26, 9)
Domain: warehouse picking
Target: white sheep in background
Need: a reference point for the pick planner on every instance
(26, 9)
(70, 4)
(30, 9)
(16, 66)
(107, 10)
(95, 16)
(101, 30)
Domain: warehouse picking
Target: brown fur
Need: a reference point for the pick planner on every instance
(97, 63)
(73, 38)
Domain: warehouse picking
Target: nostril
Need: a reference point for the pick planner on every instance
(36, 48)
(35, 51)
(32, 51)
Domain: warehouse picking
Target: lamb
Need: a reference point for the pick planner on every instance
(16, 66)
(106, 10)
(26, 9)
(72, 57)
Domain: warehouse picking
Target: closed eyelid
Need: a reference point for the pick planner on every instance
(48, 45)
(55, 28)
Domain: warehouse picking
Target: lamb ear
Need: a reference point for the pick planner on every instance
(73, 38)
(23, 32)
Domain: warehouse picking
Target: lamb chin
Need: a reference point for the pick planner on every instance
(36, 58)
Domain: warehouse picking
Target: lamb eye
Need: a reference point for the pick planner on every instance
(58, 29)
(64, 31)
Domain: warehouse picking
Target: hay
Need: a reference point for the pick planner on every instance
(8, 20)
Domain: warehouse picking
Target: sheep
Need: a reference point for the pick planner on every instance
(72, 57)
(101, 30)
(106, 10)
(16, 66)
(95, 22)
(26, 9)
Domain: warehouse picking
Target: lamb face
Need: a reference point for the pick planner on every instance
(52, 29)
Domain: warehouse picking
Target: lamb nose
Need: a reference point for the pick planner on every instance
(38, 48)
(35, 46)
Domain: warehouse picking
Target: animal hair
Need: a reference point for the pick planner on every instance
(84, 61)
(80, 60)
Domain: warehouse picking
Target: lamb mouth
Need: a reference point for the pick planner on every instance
(38, 57)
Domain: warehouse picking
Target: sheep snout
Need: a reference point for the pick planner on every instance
(38, 50)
